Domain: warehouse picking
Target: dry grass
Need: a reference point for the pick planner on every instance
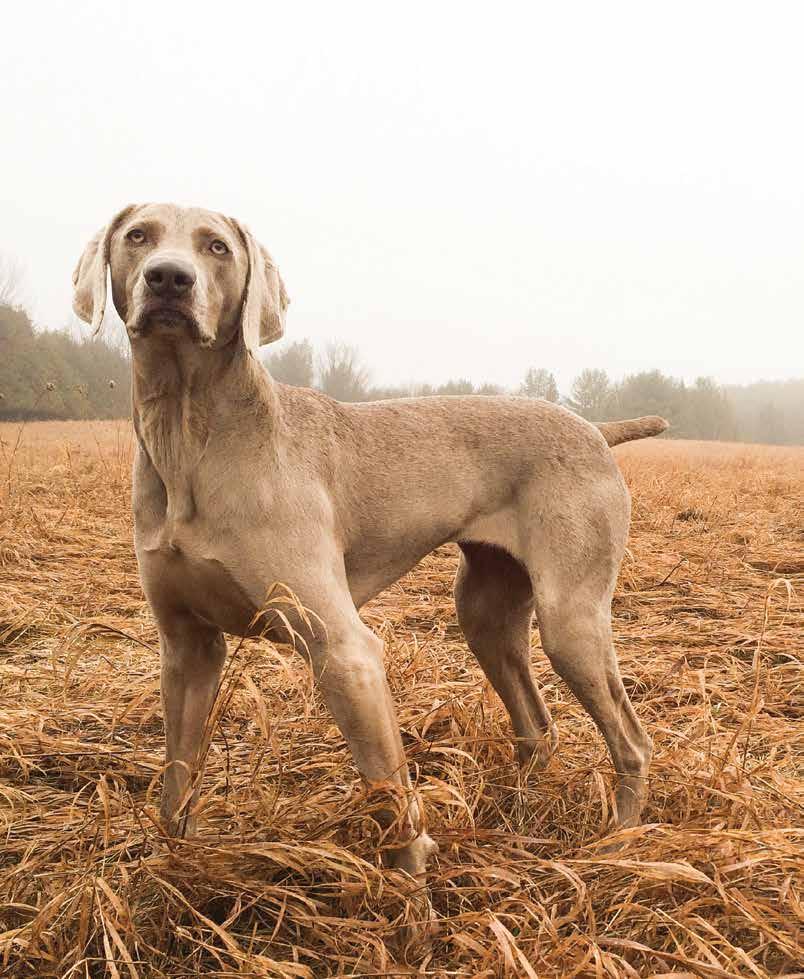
(709, 631)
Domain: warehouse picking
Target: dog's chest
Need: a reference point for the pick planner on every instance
(197, 574)
(192, 555)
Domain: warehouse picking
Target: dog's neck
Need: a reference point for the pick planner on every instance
(184, 395)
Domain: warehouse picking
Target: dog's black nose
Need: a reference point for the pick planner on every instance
(169, 278)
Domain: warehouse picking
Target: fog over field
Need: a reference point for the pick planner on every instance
(455, 190)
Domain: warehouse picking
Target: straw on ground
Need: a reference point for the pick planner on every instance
(283, 878)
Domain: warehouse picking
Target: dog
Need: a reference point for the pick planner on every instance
(241, 482)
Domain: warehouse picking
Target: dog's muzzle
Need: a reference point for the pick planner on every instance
(167, 317)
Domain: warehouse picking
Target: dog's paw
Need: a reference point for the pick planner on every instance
(535, 755)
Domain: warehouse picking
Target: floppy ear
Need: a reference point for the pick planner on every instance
(89, 276)
(266, 300)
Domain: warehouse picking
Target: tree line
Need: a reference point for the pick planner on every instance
(767, 411)
(51, 374)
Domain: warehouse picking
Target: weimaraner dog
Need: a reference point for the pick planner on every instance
(241, 482)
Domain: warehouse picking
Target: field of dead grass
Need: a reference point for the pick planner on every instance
(283, 878)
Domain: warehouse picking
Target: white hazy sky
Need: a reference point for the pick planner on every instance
(459, 189)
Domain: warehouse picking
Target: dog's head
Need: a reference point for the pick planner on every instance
(184, 273)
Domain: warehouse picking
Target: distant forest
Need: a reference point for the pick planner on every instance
(50, 374)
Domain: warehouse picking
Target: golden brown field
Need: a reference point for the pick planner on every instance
(709, 625)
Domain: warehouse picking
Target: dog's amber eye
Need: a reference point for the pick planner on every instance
(136, 236)
(219, 247)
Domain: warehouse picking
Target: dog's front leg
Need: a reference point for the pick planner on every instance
(350, 672)
(192, 659)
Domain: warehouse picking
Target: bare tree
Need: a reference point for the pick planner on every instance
(591, 391)
(12, 281)
(540, 383)
(293, 365)
(341, 375)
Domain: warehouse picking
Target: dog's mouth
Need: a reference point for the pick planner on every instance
(167, 320)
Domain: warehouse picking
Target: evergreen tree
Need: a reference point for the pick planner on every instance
(653, 393)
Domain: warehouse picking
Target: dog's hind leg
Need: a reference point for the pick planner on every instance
(494, 601)
(192, 659)
(578, 545)
(576, 635)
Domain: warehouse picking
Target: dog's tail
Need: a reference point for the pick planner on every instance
(632, 428)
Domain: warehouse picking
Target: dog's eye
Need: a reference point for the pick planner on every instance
(219, 247)
(136, 236)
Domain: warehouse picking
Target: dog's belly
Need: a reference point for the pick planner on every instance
(378, 560)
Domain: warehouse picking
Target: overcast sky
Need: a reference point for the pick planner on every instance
(458, 189)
